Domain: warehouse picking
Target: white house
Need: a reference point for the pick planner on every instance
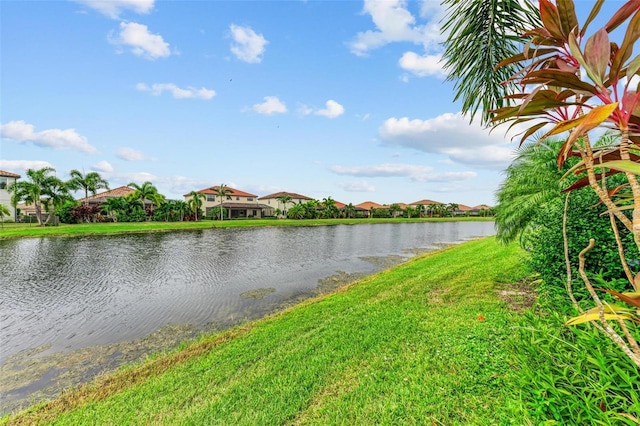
(6, 179)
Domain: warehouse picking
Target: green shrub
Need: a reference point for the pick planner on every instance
(574, 375)
(585, 220)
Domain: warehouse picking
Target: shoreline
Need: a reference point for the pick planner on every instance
(334, 318)
(12, 231)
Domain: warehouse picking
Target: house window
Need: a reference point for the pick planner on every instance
(249, 199)
(3, 182)
(237, 198)
(255, 213)
(228, 197)
(211, 197)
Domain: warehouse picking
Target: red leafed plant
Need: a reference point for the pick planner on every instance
(577, 84)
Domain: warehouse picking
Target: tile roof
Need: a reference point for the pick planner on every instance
(368, 205)
(121, 191)
(482, 207)
(234, 192)
(464, 208)
(248, 206)
(8, 174)
(291, 194)
(425, 202)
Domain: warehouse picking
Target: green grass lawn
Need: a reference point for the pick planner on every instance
(425, 343)
(12, 230)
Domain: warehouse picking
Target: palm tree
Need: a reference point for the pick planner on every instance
(420, 209)
(31, 191)
(349, 210)
(284, 199)
(532, 181)
(91, 182)
(452, 208)
(330, 206)
(222, 192)
(113, 205)
(394, 209)
(146, 191)
(481, 34)
(56, 192)
(195, 202)
(4, 211)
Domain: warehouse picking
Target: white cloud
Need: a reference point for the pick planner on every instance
(451, 135)
(357, 186)
(130, 154)
(394, 23)
(411, 171)
(102, 166)
(177, 92)
(20, 131)
(332, 109)
(271, 105)
(247, 45)
(20, 166)
(422, 66)
(113, 8)
(141, 41)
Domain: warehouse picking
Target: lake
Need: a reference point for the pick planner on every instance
(71, 308)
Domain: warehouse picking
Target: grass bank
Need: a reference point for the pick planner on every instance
(14, 230)
(423, 343)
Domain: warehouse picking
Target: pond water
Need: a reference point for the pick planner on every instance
(71, 308)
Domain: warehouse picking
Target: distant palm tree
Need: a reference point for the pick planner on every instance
(91, 182)
(4, 211)
(349, 210)
(113, 205)
(31, 192)
(395, 208)
(284, 199)
(146, 191)
(222, 191)
(420, 209)
(196, 201)
(56, 192)
(330, 206)
(452, 208)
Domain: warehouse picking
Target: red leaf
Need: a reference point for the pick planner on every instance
(622, 14)
(594, 12)
(590, 121)
(626, 49)
(597, 52)
(551, 19)
(567, 13)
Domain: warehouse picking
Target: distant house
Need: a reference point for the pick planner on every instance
(273, 203)
(6, 179)
(463, 210)
(101, 197)
(367, 206)
(239, 204)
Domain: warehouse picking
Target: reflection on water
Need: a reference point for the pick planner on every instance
(61, 298)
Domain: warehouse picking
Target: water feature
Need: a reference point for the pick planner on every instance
(73, 307)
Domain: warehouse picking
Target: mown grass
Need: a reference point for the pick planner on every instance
(13, 230)
(423, 343)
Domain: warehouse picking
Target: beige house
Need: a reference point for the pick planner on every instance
(274, 203)
(239, 204)
(6, 179)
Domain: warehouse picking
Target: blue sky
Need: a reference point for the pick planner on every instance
(324, 98)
